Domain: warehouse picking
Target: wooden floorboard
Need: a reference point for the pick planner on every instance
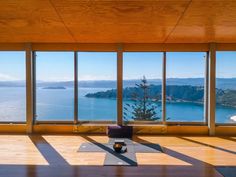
(56, 155)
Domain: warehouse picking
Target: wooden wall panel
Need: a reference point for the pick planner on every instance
(47, 129)
(101, 129)
(225, 130)
(113, 47)
(12, 128)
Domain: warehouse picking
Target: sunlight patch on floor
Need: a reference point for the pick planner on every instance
(72, 144)
(19, 150)
(159, 159)
(164, 140)
(206, 155)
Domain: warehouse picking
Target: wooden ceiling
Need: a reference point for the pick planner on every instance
(118, 21)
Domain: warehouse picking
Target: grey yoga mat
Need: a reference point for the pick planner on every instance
(127, 158)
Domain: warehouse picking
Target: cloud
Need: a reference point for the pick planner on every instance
(5, 77)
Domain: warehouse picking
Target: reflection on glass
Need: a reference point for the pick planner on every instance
(97, 86)
(12, 87)
(225, 87)
(142, 73)
(55, 86)
(185, 73)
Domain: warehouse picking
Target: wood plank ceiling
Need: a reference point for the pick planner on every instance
(116, 21)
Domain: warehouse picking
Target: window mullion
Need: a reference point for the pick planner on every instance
(75, 87)
(119, 85)
(164, 88)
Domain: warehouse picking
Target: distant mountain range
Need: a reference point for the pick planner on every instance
(222, 83)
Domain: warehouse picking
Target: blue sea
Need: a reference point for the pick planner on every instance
(58, 104)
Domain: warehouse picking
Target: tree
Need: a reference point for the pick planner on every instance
(143, 107)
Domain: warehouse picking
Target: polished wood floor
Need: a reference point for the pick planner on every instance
(56, 155)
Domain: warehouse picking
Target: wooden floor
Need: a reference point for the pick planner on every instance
(56, 155)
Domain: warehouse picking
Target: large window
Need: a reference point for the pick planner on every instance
(142, 83)
(55, 86)
(185, 73)
(97, 86)
(12, 87)
(226, 87)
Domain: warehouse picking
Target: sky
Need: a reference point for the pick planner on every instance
(12, 66)
(226, 64)
(59, 66)
(185, 65)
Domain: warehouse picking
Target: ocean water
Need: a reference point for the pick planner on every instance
(58, 104)
(12, 104)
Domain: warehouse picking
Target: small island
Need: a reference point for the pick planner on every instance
(56, 87)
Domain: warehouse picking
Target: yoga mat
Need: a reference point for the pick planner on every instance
(147, 148)
(127, 158)
(123, 159)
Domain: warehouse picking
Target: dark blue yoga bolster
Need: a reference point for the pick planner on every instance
(120, 131)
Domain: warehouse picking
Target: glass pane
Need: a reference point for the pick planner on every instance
(97, 86)
(185, 73)
(142, 73)
(12, 87)
(226, 87)
(55, 86)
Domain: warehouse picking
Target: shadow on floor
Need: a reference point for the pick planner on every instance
(48, 151)
(208, 145)
(111, 152)
(59, 167)
(106, 171)
(197, 164)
